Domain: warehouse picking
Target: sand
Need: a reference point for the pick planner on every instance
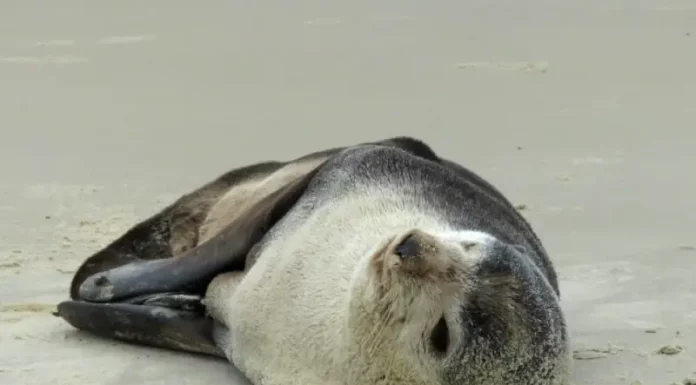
(580, 111)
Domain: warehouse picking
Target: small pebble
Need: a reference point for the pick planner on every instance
(588, 355)
(9, 265)
(670, 350)
(595, 353)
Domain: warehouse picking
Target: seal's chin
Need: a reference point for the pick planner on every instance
(409, 299)
(416, 282)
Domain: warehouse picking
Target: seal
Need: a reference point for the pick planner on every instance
(375, 263)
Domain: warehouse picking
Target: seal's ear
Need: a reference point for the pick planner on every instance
(225, 251)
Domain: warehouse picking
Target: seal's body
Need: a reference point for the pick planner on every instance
(321, 306)
(378, 263)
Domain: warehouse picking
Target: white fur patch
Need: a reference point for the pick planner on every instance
(289, 316)
(473, 242)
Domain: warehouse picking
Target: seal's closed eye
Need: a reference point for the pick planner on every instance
(439, 338)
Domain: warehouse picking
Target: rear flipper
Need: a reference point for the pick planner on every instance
(154, 326)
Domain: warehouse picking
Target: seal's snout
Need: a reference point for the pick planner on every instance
(415, 252)
(409, 248)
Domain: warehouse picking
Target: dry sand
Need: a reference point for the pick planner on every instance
(578, 110)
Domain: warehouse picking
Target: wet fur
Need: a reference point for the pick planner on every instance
(291, 318)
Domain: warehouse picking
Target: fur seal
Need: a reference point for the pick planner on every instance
(378, 263)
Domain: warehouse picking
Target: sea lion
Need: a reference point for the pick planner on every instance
(374, 263)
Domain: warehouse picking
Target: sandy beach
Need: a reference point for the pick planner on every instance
(579, 111)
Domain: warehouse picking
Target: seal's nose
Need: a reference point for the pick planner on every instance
(408, 248)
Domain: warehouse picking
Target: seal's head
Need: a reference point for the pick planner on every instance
(456, 308)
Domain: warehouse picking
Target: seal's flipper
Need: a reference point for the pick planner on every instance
(144, 325)
(170, 232)
(226, 251)
(176, 301)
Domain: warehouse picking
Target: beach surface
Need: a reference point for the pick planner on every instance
(581, 112)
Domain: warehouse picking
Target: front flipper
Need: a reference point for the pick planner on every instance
(225, 251)
(145, 325)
